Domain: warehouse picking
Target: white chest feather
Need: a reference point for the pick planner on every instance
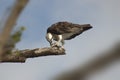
(60, 37)
(49, 36)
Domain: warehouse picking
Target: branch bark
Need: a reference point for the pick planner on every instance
(22, 55)
(11, 21)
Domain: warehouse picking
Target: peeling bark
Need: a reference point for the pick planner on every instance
(22, 55)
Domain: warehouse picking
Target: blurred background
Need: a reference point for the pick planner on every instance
(38, 15)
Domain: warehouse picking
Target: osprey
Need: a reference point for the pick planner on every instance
(60, 31)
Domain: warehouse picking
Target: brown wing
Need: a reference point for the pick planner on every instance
(60, 28)
(76, 30)
(68, 30)
(73, 32)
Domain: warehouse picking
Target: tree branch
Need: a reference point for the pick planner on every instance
(11, 21)
(22, 55)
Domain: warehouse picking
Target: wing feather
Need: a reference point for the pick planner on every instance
(68, 30)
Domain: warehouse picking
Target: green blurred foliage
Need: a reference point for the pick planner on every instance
(16, 37)
(13, 39)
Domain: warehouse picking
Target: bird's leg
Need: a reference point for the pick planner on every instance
(49, 38)
(51, 42)
(59, 42)
(62, 43)
(54, 43)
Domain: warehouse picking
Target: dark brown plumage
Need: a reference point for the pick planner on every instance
(68, 30)
(58, 32)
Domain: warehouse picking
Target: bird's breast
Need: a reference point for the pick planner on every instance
(55, 37)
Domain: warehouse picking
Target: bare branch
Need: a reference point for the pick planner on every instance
(22, 55)
(11, 21)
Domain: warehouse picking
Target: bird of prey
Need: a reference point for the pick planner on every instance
(60, 31)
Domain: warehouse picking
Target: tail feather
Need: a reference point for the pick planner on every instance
(86, 27)
(79, 31)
